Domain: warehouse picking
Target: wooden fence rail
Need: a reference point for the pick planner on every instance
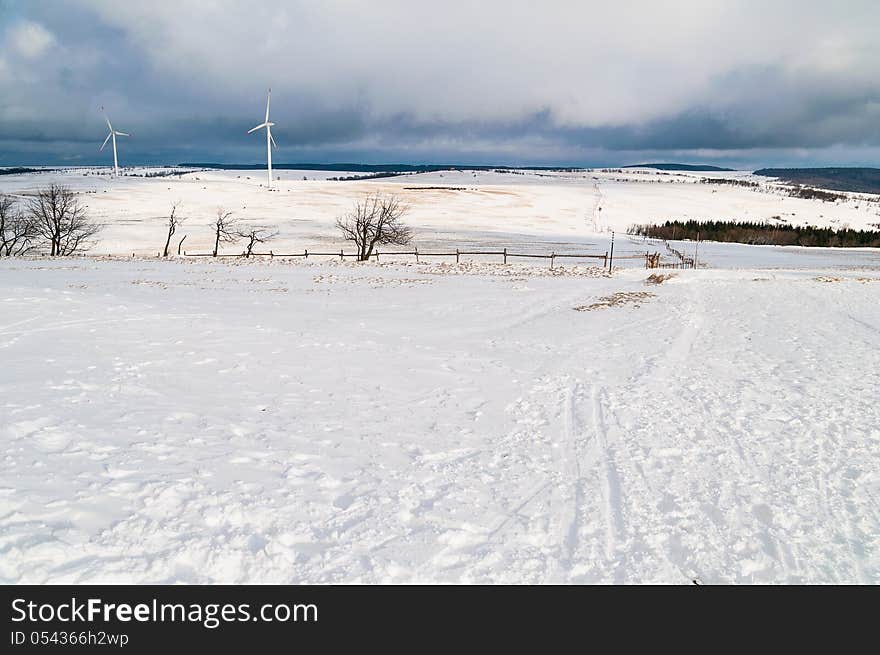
(683, 261)
(652, 260)
(504, 254)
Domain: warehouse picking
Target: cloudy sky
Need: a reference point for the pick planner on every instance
(743, 83)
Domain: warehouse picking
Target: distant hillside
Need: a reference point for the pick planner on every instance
(858, 180)
(375, 168)
(680, 167)
(18, 170)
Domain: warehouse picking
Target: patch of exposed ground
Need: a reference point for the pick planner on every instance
(618, 299)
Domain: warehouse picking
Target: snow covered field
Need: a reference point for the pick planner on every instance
(317, 421)
(275, 422)
(543, 211)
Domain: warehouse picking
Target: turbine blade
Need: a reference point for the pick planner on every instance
(105, 142)
(118, 133)
(268, 98)
(272, 139)
(108, 122)
(254, 129)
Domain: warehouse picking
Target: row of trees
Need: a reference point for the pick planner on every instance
(760, 234)
(793, 190)
(54, 219)
(228, 230)
(727, 181)
(375, 221)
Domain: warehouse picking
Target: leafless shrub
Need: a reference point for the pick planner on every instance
(659, 278)
(60, 220)
(18, 233)
(225, 229)
(375, 221)
(254, 235)
(174, 222)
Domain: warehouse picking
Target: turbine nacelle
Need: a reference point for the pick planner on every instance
(260, 127)
(109, 136)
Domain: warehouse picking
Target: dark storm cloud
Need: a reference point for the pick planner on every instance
(510, 82)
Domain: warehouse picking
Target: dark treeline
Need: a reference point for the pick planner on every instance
(680, 167)
(760, 234)
(367, 176)
(158, 174)
(377, 168)
(19, 170)
(729, 182)
(795, 191)
(810, 193)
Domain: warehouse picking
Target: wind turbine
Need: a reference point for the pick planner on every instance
(270, 142)
(113, 134)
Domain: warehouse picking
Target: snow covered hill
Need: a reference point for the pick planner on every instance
(316, 422)
(544, 211)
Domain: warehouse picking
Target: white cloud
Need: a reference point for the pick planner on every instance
(29, 40)
(587, 63)
(502, 76)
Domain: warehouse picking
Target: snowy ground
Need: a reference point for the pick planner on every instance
(536, 211)
(318, 421)
(272, 422)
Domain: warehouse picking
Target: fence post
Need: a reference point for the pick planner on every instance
(377, 255)
(605, 259)
(342, 255)
(417, 254)
(271, 255)
(307, 253)
(456, 255)
(611, 258)
(505, 255)
(552, 258)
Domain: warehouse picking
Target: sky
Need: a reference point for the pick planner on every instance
(576, 83)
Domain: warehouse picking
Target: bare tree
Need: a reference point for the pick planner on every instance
(174, 222)
(254, 235)
(375, 221)
(224, 229)
(60, 219)
(18, 233)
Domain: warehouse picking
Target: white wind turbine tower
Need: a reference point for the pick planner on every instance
(113, 134)
(270, 142)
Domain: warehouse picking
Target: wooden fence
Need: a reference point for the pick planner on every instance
(682, 260)
(418, 254)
